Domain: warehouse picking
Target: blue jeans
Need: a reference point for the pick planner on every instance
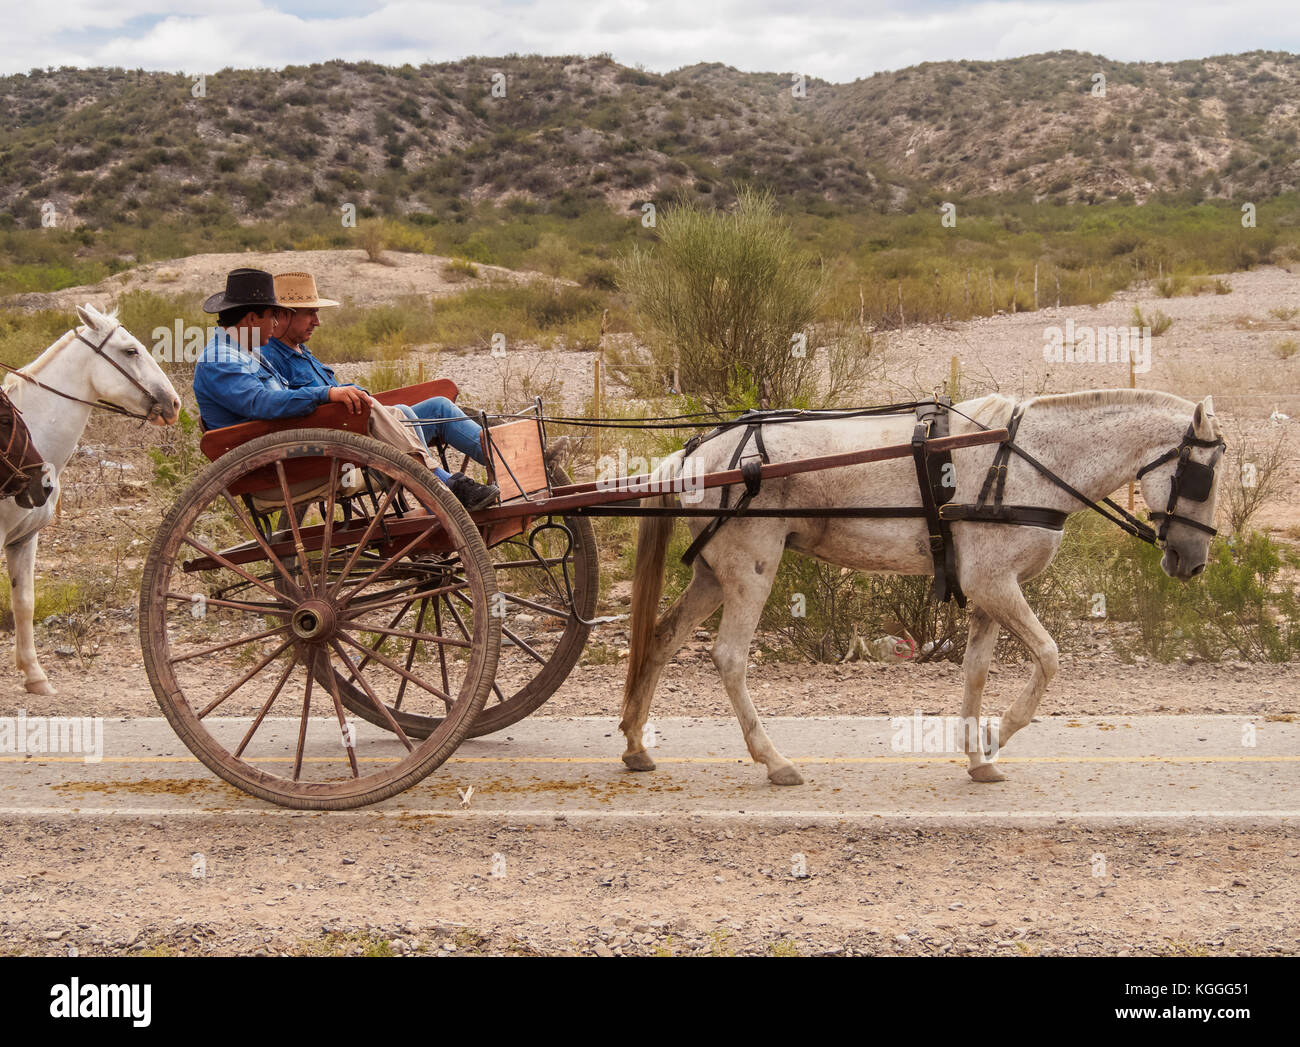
(451, 424)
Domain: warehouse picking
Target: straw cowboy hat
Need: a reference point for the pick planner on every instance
(243, 287)
(298, 291)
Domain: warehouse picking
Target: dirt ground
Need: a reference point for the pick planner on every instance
(410, 886)
(115, 685)
(382, 885)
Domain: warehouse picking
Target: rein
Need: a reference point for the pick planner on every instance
(1192, 480)
(1198, 477)
(102, 405)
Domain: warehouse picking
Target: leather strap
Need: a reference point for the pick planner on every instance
(932, 422)
(751, 473)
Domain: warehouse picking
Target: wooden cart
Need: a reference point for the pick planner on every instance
(312, 577)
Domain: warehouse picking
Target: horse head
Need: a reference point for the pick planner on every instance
(1182, 493)
(121, 371)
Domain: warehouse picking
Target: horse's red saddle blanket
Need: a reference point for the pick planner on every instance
(23, 476)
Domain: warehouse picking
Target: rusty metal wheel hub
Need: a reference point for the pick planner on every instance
(314, 621)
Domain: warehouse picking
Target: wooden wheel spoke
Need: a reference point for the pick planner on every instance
(410, 658)
(249, 526)
(235, 605)
(302, 729)
(343, 600)
(266, 660)
(523, 646)
(555, 612)
(329, 526)
(390, 664)
(396, 618)
(290, 512)
(332, 686)
(229, 643)
(426, 637)
(393, 725)
(455, 614)
(358, 609)
(365, 538)
(213, 554)
(269, 702)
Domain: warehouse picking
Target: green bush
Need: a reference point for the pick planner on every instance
(723, 295)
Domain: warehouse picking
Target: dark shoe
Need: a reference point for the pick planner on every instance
(471, 494)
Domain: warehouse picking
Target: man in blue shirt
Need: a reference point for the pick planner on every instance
(442, 420)
(234, 382)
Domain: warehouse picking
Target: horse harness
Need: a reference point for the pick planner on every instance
(937, 482)
(22, 470)
(103, 405)
(21, 464)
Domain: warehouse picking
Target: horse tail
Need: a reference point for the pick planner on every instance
(648, 579)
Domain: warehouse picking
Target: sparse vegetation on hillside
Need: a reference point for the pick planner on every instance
(104, 146)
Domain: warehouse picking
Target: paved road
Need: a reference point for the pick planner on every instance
(1094, 768)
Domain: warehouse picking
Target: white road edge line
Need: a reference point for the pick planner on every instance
(562, 814)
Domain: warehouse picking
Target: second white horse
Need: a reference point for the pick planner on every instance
(99, 361)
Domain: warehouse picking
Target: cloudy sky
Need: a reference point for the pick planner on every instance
(838, 40)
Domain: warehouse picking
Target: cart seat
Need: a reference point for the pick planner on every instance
(304, 474)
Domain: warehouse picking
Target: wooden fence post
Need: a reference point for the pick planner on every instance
(1132, 384)
(597, 392)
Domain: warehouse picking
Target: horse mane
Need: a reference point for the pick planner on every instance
(13, 385)
(995, 409)
(1108, 397)
(12, 382)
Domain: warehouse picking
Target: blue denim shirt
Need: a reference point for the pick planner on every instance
(298, 368)
(234, 385)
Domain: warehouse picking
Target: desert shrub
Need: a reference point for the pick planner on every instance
(458, 270)
(722, 295)
(176, 457)
(1241, 607)
(1159, 321)
(1251, 473)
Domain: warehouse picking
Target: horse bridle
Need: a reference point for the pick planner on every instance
(103, 405)
(1191, 480)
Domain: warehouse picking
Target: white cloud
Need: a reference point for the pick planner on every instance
(836, 40)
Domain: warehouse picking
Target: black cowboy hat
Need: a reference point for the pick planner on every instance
(243, 287)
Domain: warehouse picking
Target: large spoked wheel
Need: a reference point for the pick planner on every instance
(545, 575)
(550, 577)
(260, 628)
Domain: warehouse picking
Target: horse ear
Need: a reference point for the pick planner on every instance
(89, 316)
(1203, 420)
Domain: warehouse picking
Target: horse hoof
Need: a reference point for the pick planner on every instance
(788, 775)
(41, 687)
(986, 772)
(639, 761)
